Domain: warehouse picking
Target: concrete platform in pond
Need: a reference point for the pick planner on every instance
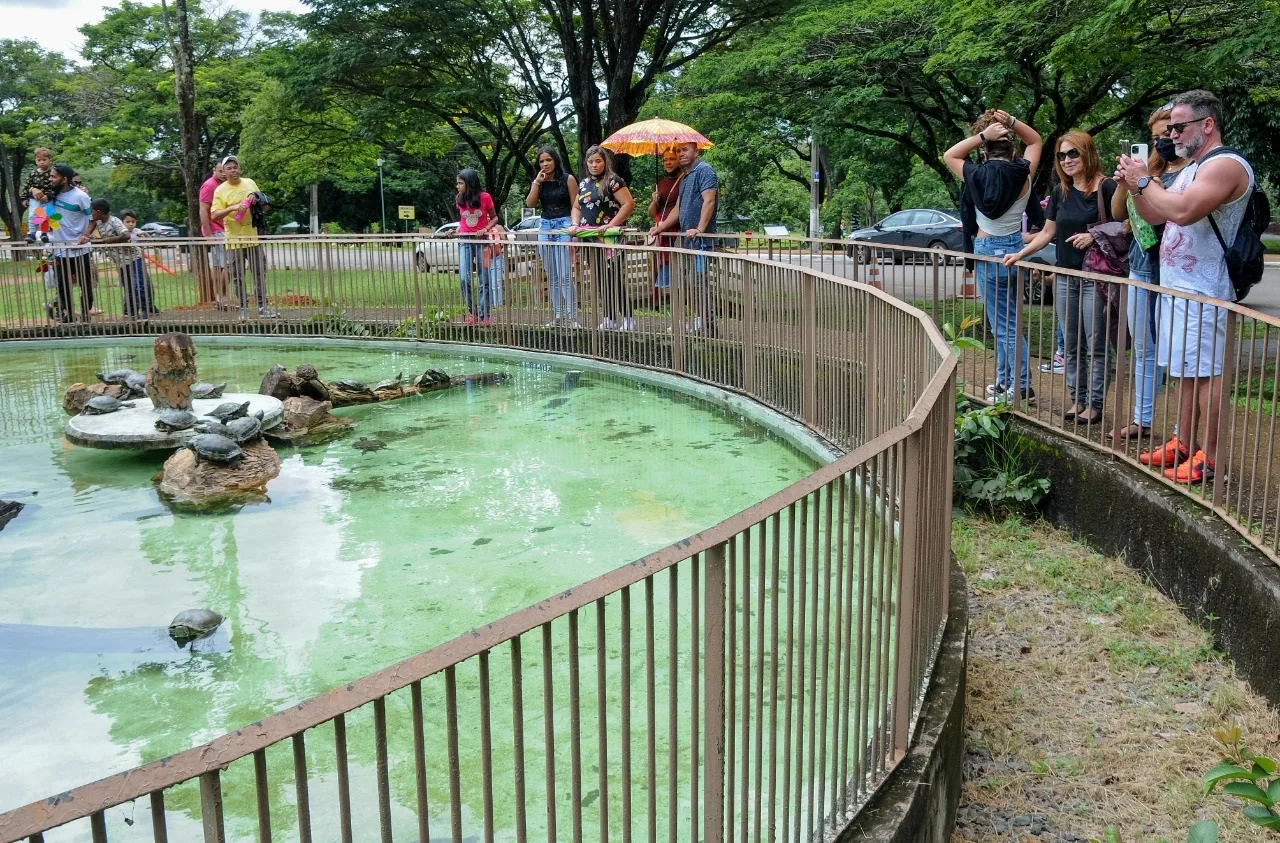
(134, 428)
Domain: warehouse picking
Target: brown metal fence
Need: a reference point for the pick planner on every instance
(756, 681)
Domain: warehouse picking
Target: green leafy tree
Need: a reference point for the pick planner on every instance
(34, 111)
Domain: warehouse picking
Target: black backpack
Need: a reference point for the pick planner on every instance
(1244, 255)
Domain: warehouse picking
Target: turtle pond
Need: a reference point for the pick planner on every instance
(437, 513)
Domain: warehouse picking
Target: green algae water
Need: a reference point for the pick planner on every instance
(483, 501)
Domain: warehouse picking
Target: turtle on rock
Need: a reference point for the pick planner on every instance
(137, 385)
(116, 376)
(246, 429)
(349, 385)
(100, 405)
(228, 411)
(193, 624)
(171, 420)
(215, 448)
(208, 390)
(206, 426)
(391, 383)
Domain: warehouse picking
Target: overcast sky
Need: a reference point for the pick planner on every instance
(56, 23)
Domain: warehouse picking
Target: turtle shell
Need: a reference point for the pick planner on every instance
(176, 420)
(244, 429)
(229, 410)
(137, 384)
(347, 385)
(215, 448)
(389, 383)
(205, 426)
(208, 390)
(101, 405)
(117, 376)
(194, 623)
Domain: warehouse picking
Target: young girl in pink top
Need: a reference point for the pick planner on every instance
(476, 217)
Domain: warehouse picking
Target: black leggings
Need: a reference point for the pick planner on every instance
(611, 281)
(68, 271)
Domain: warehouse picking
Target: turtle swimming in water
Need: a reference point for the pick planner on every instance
(100, 405)
(228, 411)
(116, 376)
(349, 385)
(215, 448)
(193, 624)
(208, 390)
(366, 445)
(391, 383)
(245, 429)
(171, 420)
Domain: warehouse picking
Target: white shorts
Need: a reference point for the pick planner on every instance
(1193, 338)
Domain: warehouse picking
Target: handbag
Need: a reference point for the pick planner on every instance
(1109, 254)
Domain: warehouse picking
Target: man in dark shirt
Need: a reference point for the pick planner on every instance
(695, 214)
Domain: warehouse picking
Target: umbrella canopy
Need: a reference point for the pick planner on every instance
(651, 137)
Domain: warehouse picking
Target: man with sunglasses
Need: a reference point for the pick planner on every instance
(1192, 341)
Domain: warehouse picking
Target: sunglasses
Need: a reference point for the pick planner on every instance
(1182, 127)
(1070, 154)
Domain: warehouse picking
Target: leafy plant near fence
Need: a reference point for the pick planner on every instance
(993, 468)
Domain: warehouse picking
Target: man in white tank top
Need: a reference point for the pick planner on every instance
(1192, 340)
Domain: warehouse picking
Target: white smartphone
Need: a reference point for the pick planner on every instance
(1140, 151)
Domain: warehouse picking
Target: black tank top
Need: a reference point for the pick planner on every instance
(554, 197)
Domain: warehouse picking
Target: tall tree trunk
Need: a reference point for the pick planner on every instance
(11, 161)
(191, 164)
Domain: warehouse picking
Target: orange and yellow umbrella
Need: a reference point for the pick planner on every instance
(652, 137)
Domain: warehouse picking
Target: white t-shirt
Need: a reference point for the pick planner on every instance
(1191, 258)
(72, 208)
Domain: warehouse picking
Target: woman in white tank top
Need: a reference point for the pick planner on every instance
(998, 189)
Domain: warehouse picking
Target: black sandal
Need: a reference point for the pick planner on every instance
(1096, 418)
(1127, 432)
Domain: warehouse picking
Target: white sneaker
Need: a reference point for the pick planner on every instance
(993, 388)
(628, 324)
(697, 323)
(608, 324)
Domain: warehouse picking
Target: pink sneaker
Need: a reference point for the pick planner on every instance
(487, 321)
(470, 320)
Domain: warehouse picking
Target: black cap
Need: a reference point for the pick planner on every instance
(66, 171)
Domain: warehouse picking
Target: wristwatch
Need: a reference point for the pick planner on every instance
(1142, 184)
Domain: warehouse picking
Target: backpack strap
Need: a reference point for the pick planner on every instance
(1226, 150)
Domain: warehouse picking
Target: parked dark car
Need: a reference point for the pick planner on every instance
(919, 227)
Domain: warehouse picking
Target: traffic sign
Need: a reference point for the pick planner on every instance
(407, 212)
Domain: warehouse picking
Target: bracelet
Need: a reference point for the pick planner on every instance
(1013, 122)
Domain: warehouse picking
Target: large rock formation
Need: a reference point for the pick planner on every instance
(204, 485)
(78, 394)
(308, 422)
(169, 380)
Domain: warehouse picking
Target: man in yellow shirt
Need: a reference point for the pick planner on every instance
(233, 206)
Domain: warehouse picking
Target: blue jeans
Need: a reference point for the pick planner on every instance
(1142, 306)
(496, 267)
(555, 259)
(133, 278)
(468, 254)
(996, 285)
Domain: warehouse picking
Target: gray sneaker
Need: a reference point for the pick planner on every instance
(267, 313)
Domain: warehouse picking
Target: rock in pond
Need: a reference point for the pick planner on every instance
(188, 484)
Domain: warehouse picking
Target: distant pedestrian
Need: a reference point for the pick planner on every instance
(114, 234)
(209, 227)
(233, 205)
(665, 195)
(72, 265)
(476, 218)
(553, 191)
(1203, 212)
(694, 214)
(604, 201)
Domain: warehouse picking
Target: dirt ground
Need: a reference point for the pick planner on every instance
(1091, 698)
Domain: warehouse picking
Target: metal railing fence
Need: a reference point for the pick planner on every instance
(755, 681)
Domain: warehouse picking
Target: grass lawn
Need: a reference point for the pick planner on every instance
(1091, 698)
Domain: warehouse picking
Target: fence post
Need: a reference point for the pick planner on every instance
(748, 328)
(909, 564)
(1225, 412)
(679, 260)
(809, 346)
(1122, 361)
(713, 625)
(211, 808)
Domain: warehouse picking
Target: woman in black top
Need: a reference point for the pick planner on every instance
(554, 189)
(1081, 198)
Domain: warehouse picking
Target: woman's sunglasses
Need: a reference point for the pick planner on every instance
(1070, 154)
